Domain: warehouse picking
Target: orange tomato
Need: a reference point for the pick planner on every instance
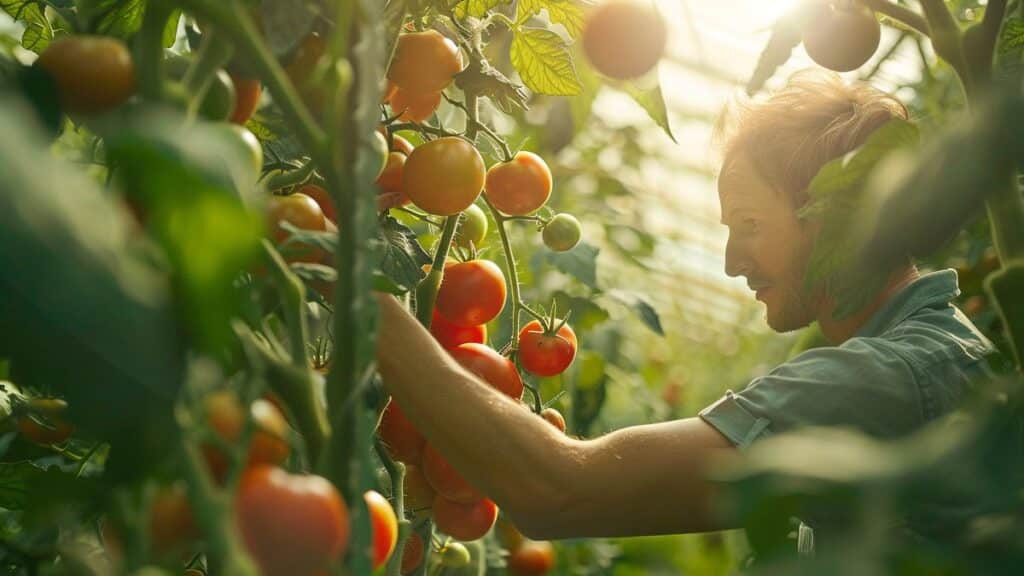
(624, 38)
(520, 186)
(443, 176)
(464, 522)
(384, 527)
(44, 425)
(471, 293)
(225, 415)
(404, 442)
(553, 417)
(171, 524)
(424, 62)
(247, 98)
(532, 558)
(94, 74)
(414, 107)
(323, 199)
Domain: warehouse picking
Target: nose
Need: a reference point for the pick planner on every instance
(737, 262)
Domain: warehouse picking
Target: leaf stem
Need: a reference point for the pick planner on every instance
(900, 14)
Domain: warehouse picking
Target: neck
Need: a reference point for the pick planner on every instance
(839, 331)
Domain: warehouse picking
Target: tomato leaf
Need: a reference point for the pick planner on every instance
(785, 37)
(38, 32)
(120, 18)
(1009, 57)
(477, 8)
(403, 258)
(544, 62)
(643, 309)
(580, 263)
(653, 102)
(568, 13)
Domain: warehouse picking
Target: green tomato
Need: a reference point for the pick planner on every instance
(562, 233)
(454, 555)
(247, 142)
(380, 145)
(219, 101)
(472, 227)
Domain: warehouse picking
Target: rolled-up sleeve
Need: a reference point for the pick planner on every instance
(864, 384)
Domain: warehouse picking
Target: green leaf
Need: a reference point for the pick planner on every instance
(38, 32)
(477, 8)
(1009, 58)
(286, 23)
(544, 62)
(403, 258)
(580, 262)
(653, 102)
(171, 29)
(643, 309)
(786, 35)
(586, 314)
(568, 13)
(119, 18)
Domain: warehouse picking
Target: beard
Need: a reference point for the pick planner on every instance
(792, 305)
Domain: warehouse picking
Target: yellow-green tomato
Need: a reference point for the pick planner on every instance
(472, 227)
(562, 233)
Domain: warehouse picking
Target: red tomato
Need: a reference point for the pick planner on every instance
(171, 525)
(292, 525)
(450, 335)
(491, 367)
(553, 417)
(520, 186)
(414, 107)
(472, 293)
(419, 494)
(403, 441)
(384, 527)
(532, 558)
(446, 480)
(413, 554)
(94, 74)
(302, 212)
(247, 98)
(44, 425)
(424, 62)
(546, 354)
(269, 442)
(464, 521)
(323, 199)
(390, 180)
(444, 176)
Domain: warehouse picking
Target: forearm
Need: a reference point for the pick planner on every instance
(501, 448)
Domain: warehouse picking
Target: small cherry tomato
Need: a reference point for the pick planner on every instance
(489, 366)
(323, 199)
(403, 441)
(290, 524)
(302, 212)
(450, 335)
(562, 233)
(454, 555)
(44, 425)
(546, 354)
(424, 62)
(171, 524)
(532, 558)
(471, 293)
(472, 227)
(624, 38)
(384, 527)
(520, 186)
(414, 107)
(446, 480)
(444, 176)
(247, 98)
(464, 522)
(225, 415)
(840, 36)
(390, 180)
(94, 74)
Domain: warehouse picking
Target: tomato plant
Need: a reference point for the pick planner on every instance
(291, 524)
(544, 351)
(443, 176)
(491, 367)
(106, 83)
(519, 186)
(472, 293)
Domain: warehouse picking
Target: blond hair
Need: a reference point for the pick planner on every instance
(790, 133)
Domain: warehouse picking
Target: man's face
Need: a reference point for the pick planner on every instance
(768, 245)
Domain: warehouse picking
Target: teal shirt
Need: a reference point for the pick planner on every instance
(912, 362)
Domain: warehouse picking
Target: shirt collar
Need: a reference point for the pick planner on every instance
(934, 290)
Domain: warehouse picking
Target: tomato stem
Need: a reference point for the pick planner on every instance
(150, 50)
(396, 471)
(899, 13)
(426, 292)
(214, 52)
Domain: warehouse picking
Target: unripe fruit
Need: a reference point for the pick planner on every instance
(840, 38)
(562, 233)
(472, 227)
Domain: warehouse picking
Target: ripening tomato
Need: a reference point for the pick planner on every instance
(399, 144)
(390, 180)
(94, 74)
(302, 212)
(444, 176)
(445, 479)
(546, 354)
(471, 293)
(225, 415)
(450, 335)
(532, 558)
(840, 36)
(472, 227)
(464, 522)
(384, 527)
(424, 62)
(171, 524)
(403, 441)
(323, 199)
(562, 233)
(520, 186)
(419, 494)
(553, 417)
(489, 366)
(292, 525)
(413, 554)
(247, 98)
(624, 38)
(414, 107)
(44, 425)
(454, 555)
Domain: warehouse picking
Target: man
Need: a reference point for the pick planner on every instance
(898, 363)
